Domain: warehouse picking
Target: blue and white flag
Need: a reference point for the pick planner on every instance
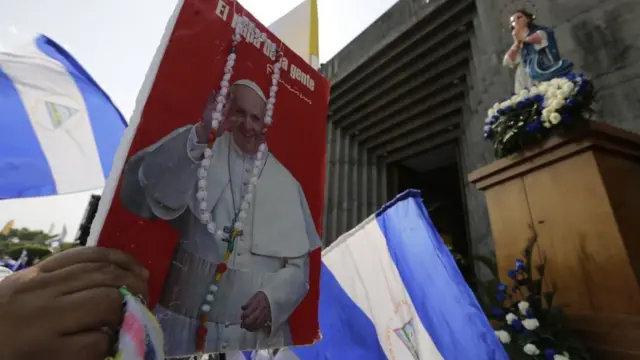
(21, 262)
(55, 243)
(390, 289)
(59, 131)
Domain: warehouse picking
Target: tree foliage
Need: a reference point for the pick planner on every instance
(26, 235)
(34, 241)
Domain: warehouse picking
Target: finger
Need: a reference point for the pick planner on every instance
(250, 309)
(249, 326)
(87, 276)
(253, 319)
(92, 255)
(248, 303)
(90, 345)
(89, 310)
(252, 305)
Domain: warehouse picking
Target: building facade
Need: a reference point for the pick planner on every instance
(410, 94)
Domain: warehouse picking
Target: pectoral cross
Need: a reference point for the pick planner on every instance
(232, 233)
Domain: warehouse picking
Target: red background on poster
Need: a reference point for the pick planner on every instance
(190, 70)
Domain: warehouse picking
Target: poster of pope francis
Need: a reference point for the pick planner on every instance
(218, 187)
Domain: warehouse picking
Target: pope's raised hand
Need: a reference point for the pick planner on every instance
(60, 308)
(203, 128)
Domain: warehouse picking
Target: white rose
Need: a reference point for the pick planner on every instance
(552, 93)
(496, 106)
(530, 324)
(555, 118)
(492, 112)
(524, 93)
(543, 88)
(560, 357)
(568, 87)
(523, 306)
(563, 94)
(534, 90)
(558, 103)
(504, 336)
(531, 349)
(510, 317)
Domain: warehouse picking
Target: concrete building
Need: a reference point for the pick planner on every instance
(410, 94)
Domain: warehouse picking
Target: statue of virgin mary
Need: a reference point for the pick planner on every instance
(534, 53)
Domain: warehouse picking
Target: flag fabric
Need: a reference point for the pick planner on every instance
(59, 130)
(298, 29)
(21, 263)
(282, 354)
(390, 289)
(140, 337)
(4, 272)
(55, 243)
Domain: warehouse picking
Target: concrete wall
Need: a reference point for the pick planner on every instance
(600, 36)
(390, 25)
(356, 185)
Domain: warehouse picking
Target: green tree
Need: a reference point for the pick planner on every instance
(31, 240)
(26, 235)
(33, 252)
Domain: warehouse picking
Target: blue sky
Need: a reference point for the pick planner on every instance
(115, 41)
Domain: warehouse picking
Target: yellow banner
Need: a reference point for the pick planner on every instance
(7, 227)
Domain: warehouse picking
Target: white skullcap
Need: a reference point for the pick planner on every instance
(251, 85)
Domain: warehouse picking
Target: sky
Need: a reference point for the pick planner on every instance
(115, 41)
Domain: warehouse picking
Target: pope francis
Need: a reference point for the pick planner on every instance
(267, 274)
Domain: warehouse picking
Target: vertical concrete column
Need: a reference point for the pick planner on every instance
(382, 182)
(392, 180)
(328, 170)
(332, 232)
(353, 186)
(373, 190)
(343, 183)
(363, 211)
(362, 184)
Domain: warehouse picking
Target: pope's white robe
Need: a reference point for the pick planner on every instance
(271, 256)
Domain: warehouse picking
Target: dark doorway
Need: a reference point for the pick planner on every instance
(437, 175)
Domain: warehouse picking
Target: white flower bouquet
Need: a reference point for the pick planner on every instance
(524, 318)
(532, 115)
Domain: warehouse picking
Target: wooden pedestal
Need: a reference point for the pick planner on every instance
(581, 196)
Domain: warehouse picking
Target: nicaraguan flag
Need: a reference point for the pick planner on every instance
(58, 130)
(21, 262)
(390, 289)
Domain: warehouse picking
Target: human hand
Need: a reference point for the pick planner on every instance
(203, 128)
(256, 313)
(515, 37)
(519, 34)
(59, 308)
